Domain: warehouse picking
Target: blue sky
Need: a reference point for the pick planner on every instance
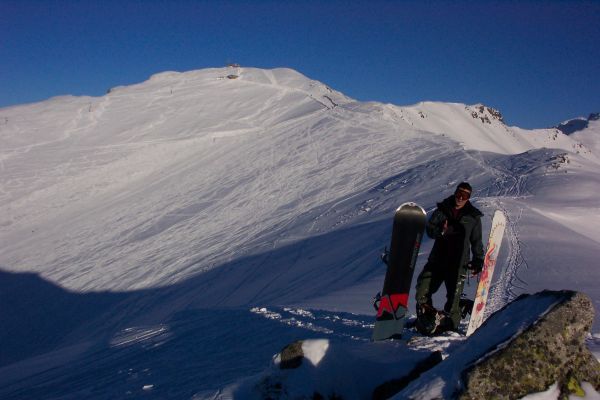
(538, 62)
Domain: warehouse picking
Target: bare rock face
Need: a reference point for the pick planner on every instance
(486, 114)
(291, 355)
(552, 350)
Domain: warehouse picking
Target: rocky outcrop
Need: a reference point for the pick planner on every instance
(485, 114)
(552, 350)
(291, 356)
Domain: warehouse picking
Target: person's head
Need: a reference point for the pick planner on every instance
(462, 194)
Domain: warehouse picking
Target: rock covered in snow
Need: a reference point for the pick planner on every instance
(552, 350)
(291, 356)
(532, 343)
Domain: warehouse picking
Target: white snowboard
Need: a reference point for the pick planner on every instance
(491, 253)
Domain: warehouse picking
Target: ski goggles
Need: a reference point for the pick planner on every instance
(462, 194)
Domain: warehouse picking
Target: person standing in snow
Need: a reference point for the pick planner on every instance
(456, 227)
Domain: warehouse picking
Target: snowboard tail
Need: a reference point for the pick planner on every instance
(392, 305)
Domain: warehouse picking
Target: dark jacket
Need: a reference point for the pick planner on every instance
(464, 233)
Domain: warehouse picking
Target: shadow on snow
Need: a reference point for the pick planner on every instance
(194, 336)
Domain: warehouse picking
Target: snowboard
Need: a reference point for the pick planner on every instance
(392, 304)
(491, 254)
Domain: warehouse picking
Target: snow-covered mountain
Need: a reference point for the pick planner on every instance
(584, 130)
(167, 238)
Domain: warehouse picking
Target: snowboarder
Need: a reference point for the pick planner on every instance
(456, 227)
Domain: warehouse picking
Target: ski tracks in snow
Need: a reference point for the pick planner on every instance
(339, 324)
(502, 291)
(352, 327)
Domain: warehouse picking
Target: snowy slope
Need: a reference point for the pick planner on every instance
(167, 218)
(479, 127)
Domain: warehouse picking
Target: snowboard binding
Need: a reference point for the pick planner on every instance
(431, 321)
(377, 301)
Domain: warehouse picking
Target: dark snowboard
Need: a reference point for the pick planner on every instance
(392, 305)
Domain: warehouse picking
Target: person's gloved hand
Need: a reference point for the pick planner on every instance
(475, 266)
(446, 229)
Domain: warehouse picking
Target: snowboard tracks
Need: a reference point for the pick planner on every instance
(337, 324)
(503, 290)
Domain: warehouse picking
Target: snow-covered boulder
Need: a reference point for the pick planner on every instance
(552, 350)
(526, 347)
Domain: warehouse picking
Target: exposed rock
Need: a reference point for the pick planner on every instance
(484, 113)
(496, 114)
(291, 355)
(552, 350)
(559, 160)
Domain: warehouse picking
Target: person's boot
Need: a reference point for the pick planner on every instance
(427, 319)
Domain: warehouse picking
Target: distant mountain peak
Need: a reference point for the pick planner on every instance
(577, 124)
